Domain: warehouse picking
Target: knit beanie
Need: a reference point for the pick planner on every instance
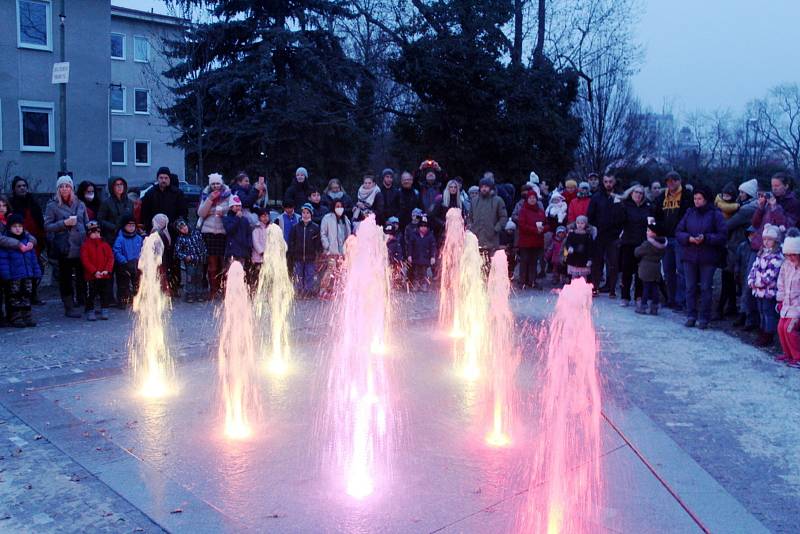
(16, 218)
(235, 201)
(65, 179)
(301, 170)
(214, 178)
(791, 245)
(163, 170)
(309, 207)
(533, 178)
(770, 231)
(387, 171)
(750, 188)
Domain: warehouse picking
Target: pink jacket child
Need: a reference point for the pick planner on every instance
(788, 297)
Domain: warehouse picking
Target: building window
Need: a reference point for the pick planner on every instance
(36, 120)
(118, 46)
(34, 23)
(141, 101)
(141, 49)
(118, 99)
(119, 151)
(142, 150)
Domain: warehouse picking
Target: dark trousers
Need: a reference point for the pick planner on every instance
(127, 275)
(19, 300)
(629, 265)
(304, 276)
(727, 297)
(767, 314)
(699, 276)
(606, 254)
(419, 274)
(529, 258)
(193, 289)
(101, 288)
(672, 265)
(70, 271)
(650, 293)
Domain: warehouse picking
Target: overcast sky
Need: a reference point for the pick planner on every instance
(701, 54)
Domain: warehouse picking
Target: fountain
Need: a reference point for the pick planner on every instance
(148, 351)
(566, 487)
(358, 420)
(449, 297)
(236, 358)
(273, 301)
(504, 354)
(472, 309)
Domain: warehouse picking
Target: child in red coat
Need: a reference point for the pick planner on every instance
(98, 264)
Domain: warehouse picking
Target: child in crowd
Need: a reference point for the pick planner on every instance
(411, 229)
(305, 245)
(556, 211)
(745, 257)
(649, 254)
(9, 242)
(579, 248)
(259, 245)
(19, 271)
(98, 264)
(287, 220)
(763, 281)
(239, 234)
(421, 254)
(160, 224)
(190, 249)
(127, 249)
(788, 298)
(553, 257)
(395, 253)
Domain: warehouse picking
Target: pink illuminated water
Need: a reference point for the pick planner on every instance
(449, 293)
(471, 361)
(504, 355)
(566, 488)
(358, 427)
(237, 363)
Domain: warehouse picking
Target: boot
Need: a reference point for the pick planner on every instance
(35, 300)
(764, 339)
(16, 319)
(104, 314)
(653, 308)
(70, 311)
(91, 315)
(27, 317)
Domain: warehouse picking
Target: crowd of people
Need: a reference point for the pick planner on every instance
(647, 245)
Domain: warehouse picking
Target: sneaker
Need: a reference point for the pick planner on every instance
(104, 314)
(689, 323)
(91, 315)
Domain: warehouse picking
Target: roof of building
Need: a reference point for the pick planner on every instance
(147, 16)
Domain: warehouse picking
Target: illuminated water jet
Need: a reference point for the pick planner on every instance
(450, 276)
(566, 487)
(236, 359)
(473, 306)
(148, 352)
(272, 303)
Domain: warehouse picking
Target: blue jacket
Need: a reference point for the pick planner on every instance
(709, 222)
(127, 247)
(247, 196)
(421, 248)
(16, 265)
(191, 244)
(239, 236)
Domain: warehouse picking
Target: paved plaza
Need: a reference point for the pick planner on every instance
(699, 432)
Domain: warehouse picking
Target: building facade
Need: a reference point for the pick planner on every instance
(107, 98)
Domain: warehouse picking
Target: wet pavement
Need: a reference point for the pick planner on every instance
(164, 465)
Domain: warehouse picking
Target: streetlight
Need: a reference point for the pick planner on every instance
(62, 94)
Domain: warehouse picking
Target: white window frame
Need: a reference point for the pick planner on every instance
(124, 162)
(146, 40)
(149, 153)
(49, 21)
(124, 52)
(124, 109)
(147, 91)
(35, 105)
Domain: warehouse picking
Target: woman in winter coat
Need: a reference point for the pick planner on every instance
(334, 231)
(737, 225)
(532, 227)
(65, 223)
(214, 205)
(115, 207)
(298, 192)
(451, 198)
(369, 199)
(580, 204)
(88, 195)
(702, 234)
(633, 214)
(333, 193)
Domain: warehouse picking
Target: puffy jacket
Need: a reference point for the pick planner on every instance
(582, 246)
(287, 224)
(669, 211)
(421, 248)
(16, 265)
(650, 253)
(112, 210)
(239, 235)
(709, 222)
(789, 290)
(330, 237)
(191, 244)
(530, 236)
(304, 242)
(602, 215)
(487, 219)
(297, 193)
(579, 206)
(259, 243)
(407, 201)
(170, 202)
(763, 277)
(211, 211)
(727, 208)
(127, 247)
(633, 221)
(96, 256)
(553, 252)
(54, 216)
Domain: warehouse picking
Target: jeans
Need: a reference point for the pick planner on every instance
(98, 287)
(672, 264)
(528, 262)
(67, 269)
(194, 281)
(606, 252)
(304, 276)
(767, 315)
(702, 274)
(650, 293)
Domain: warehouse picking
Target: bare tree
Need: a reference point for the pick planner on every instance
(778, 121)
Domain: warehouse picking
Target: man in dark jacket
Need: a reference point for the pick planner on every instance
(304, 246)
(114, 208)
(408, 199)
(602, 215)
(390, 192)
(669, 209)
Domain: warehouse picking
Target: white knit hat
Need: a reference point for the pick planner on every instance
(750, 188)
(771, 231)
(214, 178)
(533, 178)
(65, 179)
(791, 245)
